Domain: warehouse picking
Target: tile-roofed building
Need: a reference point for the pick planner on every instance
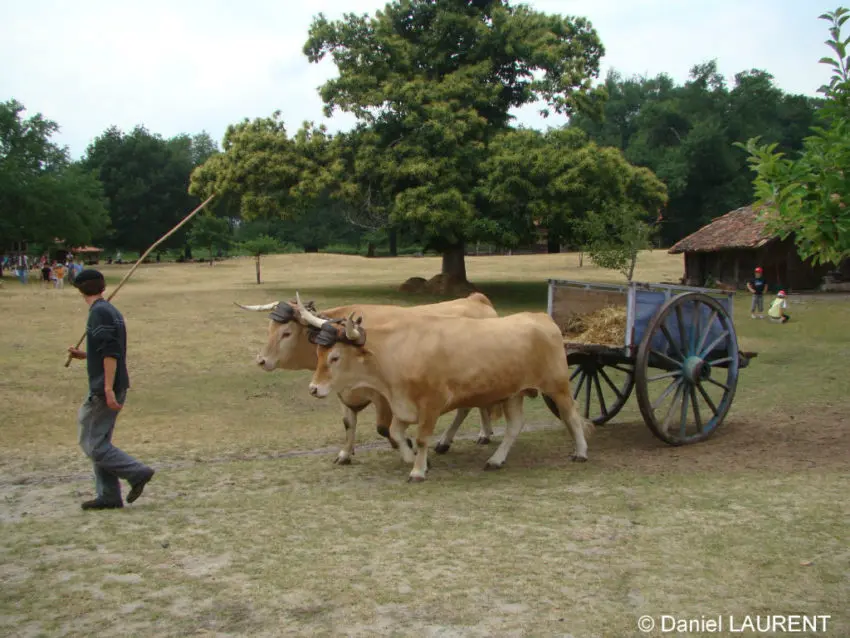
(728, 249)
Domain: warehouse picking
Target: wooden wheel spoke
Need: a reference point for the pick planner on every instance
(610, 383)
(576, 373)
(695, 332)
(703, 354)
(717, 362)
(628, 371)
(675, 383)
(683, 425)
(681, 323)
(671, 362)
(666, 375)
(578, 386)
(670, 340)
(707, 398)
(666, 422)
(587, 397)
(695, 405)
(718, 384)
(600, 395)
(707, 332)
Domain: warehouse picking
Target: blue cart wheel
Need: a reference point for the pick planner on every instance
(687, 369)
(600, 388)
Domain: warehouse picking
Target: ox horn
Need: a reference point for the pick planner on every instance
(261, 308)
(308, 316)
(353, 332)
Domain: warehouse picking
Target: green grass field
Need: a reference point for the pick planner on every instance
(248, 527)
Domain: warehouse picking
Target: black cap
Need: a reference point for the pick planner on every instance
(89, 274)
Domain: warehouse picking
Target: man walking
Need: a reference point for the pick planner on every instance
(106, 359)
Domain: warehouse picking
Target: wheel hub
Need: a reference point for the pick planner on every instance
(696, 369)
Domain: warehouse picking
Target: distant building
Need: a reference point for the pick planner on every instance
(729, 248)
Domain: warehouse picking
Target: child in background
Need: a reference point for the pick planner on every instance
(757, 285)
(59, 275)
(775, 312)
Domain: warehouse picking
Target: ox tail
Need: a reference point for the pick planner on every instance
(481, 298)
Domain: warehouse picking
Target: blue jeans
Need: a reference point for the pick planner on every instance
(97, 422)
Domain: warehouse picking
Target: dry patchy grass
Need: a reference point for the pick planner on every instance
(249, 529)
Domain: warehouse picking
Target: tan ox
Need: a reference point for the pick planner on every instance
(428, 366)
(288, 347)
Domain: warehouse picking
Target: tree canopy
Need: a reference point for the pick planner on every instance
(808, 196)
(685, 134)
(43, 196)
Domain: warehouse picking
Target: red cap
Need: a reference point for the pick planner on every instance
(758, 269)
(781, 293)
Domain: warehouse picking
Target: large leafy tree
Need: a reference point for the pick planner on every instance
(43, 196)
(809, 194)
(685, 134)
(438, 78)
(146, 180)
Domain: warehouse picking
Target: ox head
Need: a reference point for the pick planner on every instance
(339, 348)
(287, 345)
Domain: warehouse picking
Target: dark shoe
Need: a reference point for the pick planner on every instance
(137, 488)
(100, 504)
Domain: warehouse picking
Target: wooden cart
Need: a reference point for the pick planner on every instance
(679, 353)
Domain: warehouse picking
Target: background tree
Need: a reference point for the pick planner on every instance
(808, 196)
(439, 79)
(685, 135)
(261, 245)
(43, 196)
(210, 232)
(615, 237)
(146, 181)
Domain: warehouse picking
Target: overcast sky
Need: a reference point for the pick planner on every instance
(191, 65)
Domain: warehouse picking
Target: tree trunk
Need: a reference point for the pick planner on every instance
(258, 269)
(454, 263)
(632, 265)
(553, 243)
(370, 250)
(580, 259)
(393, 233)
(212, 257)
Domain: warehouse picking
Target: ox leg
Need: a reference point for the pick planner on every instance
(577, 426)
(445, 441)
(398, 439)
(423, 433)
(384, 416)
(349, 420)
(487, 416)
(513, 415)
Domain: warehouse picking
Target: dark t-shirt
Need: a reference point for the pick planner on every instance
(759, 285)
(106, 336)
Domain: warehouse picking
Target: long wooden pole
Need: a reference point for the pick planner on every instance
(141, 259)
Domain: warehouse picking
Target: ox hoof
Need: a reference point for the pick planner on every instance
(415, 478)
(492, 466)
(410, 444)
(482, 440)
(393, 444)
(342, 460)
(578, 459)
(384, 431)
(442, 448)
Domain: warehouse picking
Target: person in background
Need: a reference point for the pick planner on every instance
(776, 310)
(108, 381)
(45, 274)
(757, 285)
(59, 275)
